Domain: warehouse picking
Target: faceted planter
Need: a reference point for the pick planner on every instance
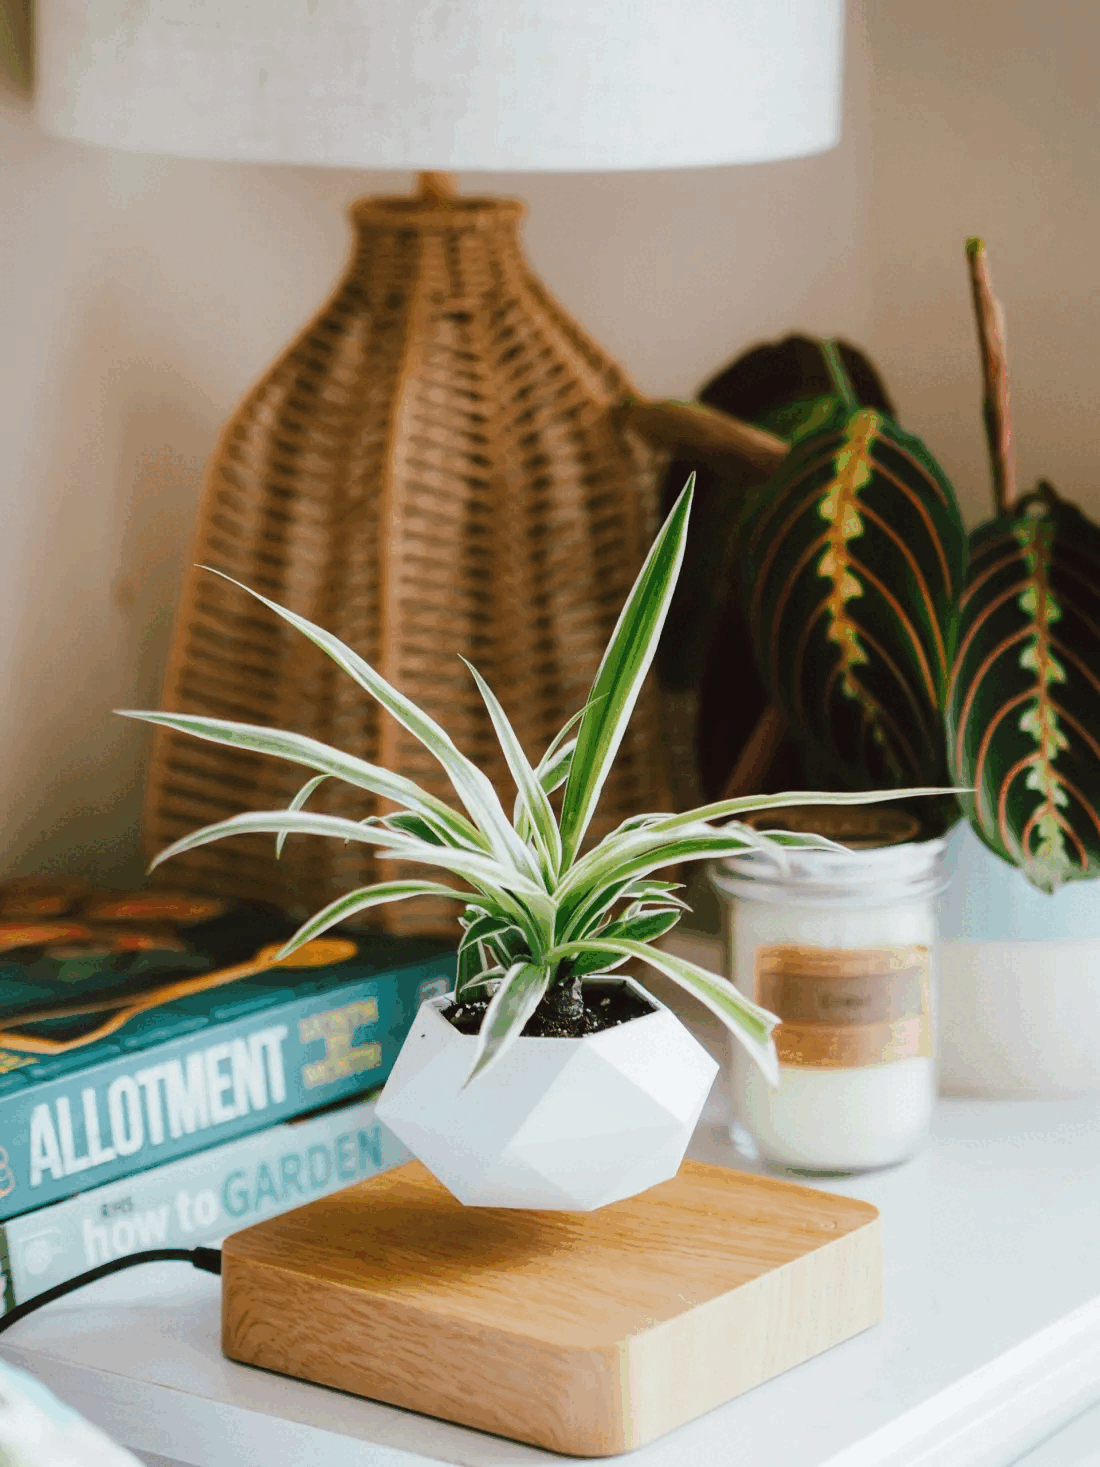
(562, 1124)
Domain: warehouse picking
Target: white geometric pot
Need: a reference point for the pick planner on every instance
(562, 1124)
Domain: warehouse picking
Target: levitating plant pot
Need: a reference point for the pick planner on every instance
(556, 1124)
(556, 1308)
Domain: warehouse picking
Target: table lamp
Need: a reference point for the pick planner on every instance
(435, 465)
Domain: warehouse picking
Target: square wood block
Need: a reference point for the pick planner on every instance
(587, 1333)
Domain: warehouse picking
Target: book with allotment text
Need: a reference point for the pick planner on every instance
(99, 1082)
(198, 1199)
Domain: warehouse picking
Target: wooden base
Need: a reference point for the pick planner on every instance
(587, 1333)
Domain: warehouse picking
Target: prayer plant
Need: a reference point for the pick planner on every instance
(896, 649)
(538, 912)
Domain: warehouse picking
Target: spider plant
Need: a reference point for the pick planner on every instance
(538, 911)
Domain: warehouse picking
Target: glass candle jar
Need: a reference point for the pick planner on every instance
(840, 946)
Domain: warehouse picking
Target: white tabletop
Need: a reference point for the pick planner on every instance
(990, 1343)
(991, 1339)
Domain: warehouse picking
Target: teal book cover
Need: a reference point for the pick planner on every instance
(200, 1198)
(108, 1070)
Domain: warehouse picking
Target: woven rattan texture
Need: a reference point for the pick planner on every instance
(431, 468)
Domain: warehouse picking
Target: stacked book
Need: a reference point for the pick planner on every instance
(163, 1082)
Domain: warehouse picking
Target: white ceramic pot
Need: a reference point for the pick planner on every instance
(562, 1124)
(1019, 981)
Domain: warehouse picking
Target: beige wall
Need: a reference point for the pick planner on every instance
(986, 120)
(138, 297)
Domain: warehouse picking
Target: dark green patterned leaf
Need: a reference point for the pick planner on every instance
(782, 386)
(854, 553)
(1023, 709)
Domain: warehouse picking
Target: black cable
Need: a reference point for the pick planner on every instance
(209, 1259)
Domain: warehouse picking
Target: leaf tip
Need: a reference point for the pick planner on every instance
(479, 1066)
(974, 246)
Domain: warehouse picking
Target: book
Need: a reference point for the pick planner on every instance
(137, 1070)
(59, 937)
(199, 1199)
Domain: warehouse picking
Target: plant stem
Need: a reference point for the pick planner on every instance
(842, 383)
(996, 411)
(757, 756)
(703, 430)
(564, 1005)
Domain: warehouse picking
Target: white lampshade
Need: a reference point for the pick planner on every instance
(446, 84)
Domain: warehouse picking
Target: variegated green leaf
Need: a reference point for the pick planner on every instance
(300, 749)
(511, 889)
(354, 902)
(497, 939)
(556, 744)
(660, 891)
(472, 786)
(854, 559)
(476, 979)
(471, 967)
(608, 872)
(589, 891)
(749, 1024)
(553, 771)
(406, 823)
(480, 930)
(534, 801)
(621, 674)
(298, 803)
(516, 999)
(614, 858)
(585, 964)
(1024, 702)
(747, 804)
(643, 927)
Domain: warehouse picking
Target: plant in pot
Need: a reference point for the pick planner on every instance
(1020, 959)
(890, 646)
(544, 1079)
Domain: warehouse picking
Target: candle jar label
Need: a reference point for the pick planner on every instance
(842, 1008)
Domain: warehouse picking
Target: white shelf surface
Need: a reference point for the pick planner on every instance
(1077, 1445)
(991, 1341)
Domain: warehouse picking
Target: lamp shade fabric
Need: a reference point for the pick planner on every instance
(446, 84)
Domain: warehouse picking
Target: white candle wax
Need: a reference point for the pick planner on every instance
(831, 1116)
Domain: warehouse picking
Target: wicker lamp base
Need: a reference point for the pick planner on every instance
(433, 467)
